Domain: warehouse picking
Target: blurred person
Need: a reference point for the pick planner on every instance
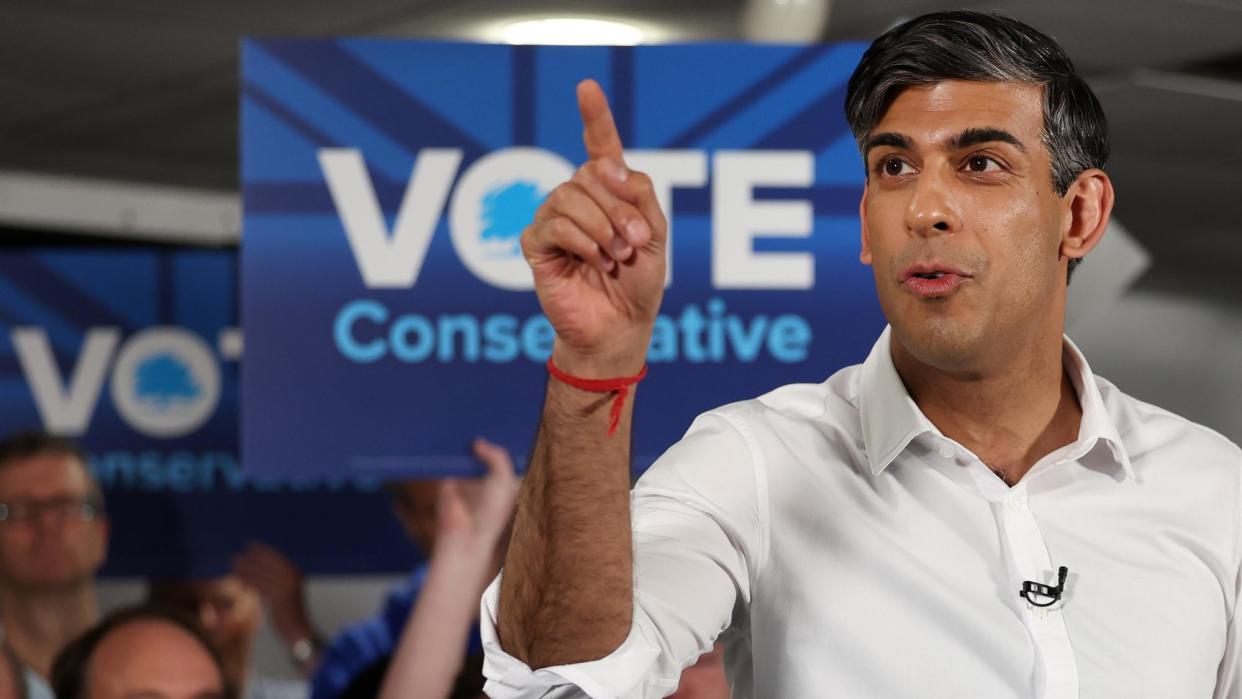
(230, 614)
(53, 540)
(705, 679)
(141, 652)
(970, 512)
(12, 682)
(357, 659)
(281, 585)
(471, 518)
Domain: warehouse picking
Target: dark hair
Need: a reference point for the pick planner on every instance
(72, 665)
(30, 443)
(23, 445)
(981, 47)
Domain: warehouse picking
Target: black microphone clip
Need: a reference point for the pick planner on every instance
(1030, 590)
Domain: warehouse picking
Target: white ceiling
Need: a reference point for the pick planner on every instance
(146, 90)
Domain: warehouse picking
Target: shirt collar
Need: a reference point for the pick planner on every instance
(1097, 424)
(891, 419)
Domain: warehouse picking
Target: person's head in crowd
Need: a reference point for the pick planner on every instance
(229, 612)
(53, 532)
(144, 651)
(53, 539)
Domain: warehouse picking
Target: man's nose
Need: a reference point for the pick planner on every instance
(50, 518)
(933, 208)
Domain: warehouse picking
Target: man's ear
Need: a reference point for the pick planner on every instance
(865, 255)
(1088, 206)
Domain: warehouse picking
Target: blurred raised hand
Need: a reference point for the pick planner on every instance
(475, 512)
(472, 516)
(281, 585)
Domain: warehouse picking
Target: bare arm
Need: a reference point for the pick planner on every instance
(597, 250)
(471, 518)
(567, 592)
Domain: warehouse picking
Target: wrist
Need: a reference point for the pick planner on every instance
(462, 550)
(623, 361)
(305, 651)
(293, 627)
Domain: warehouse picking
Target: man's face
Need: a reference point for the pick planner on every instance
(48, 541)
(960, 189)
(154, 660)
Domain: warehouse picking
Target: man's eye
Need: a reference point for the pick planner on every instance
(893, 166)
(982, 163)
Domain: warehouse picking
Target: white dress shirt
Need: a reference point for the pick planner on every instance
(841, 546)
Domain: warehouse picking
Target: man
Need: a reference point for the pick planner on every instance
(140, 652)
(230, 613)
(871, 536)
(53, 539)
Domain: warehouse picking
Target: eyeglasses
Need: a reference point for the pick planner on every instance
(86, 509)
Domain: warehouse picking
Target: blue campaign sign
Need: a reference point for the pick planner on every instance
(134, 352)
(388, 312)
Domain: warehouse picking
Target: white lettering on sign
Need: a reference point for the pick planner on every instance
(389, 261)
(497, 195)
(65, 408)
(165, 380)
(737, 219)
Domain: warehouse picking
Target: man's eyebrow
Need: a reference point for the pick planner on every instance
(987, 134)
(887, 138)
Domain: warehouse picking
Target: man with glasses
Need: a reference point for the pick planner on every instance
(53, 539)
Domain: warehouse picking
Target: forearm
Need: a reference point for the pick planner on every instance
(433, 644)
(566, 595)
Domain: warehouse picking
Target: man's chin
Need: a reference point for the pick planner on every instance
(944, 343)
(54, 580)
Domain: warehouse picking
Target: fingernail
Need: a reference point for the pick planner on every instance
(621, 250)
(614, 169)
(637, 232)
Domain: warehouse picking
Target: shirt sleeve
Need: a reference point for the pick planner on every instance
(1229, 678)
(699, 517)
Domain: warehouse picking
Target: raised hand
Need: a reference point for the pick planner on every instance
(281, 586)
(597, 250)
(474, 513)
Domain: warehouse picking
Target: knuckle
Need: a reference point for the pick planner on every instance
(584, 174)
(556, 198)
(621, 212)
(561, 228)
(642, 183)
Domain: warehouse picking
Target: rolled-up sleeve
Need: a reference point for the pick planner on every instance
(699, 517)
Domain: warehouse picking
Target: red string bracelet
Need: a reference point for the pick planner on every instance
(621, 385)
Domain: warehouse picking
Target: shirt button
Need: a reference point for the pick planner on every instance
(1013, 503)
(946, 452)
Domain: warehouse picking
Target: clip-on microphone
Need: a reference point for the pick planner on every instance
(1031, 589)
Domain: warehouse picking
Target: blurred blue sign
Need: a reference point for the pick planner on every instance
(389, 315)
(134, 352)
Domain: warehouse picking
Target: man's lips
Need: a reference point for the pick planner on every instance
(933, 279)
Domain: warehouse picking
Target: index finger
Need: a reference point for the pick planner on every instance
(599, 132)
